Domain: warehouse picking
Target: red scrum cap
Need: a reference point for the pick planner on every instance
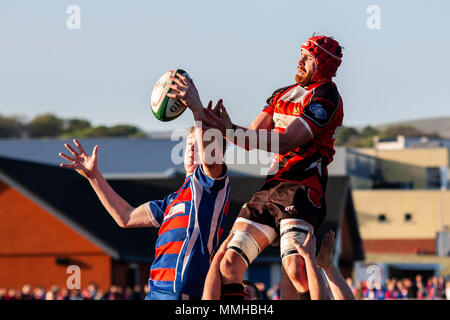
(328, 55)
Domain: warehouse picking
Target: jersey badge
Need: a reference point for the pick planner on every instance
(176, 209)
(318, 111)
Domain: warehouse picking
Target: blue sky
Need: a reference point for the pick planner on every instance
(236, 50)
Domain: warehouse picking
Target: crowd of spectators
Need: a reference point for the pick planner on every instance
(434, 288)
(91, 292)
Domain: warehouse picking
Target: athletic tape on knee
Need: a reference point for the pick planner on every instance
(244, 244)
(269, 232)
(297, 231)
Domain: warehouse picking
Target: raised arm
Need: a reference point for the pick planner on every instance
(121, 211)
(338, 286)
(295, 135)
(210, 143)
(213, 281)
(263, 121)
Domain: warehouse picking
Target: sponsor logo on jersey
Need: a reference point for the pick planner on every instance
(178, 208)
(318, 111)
(290, 209)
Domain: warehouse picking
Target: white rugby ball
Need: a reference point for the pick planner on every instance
(163, 107)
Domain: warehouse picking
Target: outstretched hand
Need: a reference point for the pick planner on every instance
(84, 164)
(217, 118)
(325, 256)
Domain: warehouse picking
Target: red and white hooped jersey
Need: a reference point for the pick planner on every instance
(319, 107)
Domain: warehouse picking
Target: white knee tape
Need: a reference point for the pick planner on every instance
(288, 231)
(244, 244)
(269, 232)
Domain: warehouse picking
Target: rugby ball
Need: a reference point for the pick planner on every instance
(163, 107)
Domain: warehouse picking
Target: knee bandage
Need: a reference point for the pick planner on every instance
(244, 244)
(288, 231)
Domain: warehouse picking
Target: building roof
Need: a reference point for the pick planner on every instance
(117, 156)
(69, 197)
(144, 157)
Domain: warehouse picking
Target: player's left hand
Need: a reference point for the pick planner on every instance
(83, 163)
(184, 89)
(218, 118)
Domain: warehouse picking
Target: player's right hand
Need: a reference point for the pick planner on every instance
(184, 89)
(308, 248)
(84, 164)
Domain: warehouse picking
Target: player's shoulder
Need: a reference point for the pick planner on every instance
(324, 105)
(328, 94)
(278, 92)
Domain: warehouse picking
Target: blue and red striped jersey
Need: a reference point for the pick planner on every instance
(191, 221)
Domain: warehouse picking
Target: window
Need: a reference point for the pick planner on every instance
(433, 178)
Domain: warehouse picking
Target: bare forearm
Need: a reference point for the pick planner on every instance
(117, 207)
(269, 140)
(262, 121)
(250, 139)
(213, 284)
(317, 286)
(338, 286)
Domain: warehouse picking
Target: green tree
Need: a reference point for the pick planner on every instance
(369, 131)
(11, 127)
(99, 131)
(392, 132)
(124, 130)
(76, 125)
(45, 125)
(75, 128)
(346, 134)
(364, 142)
